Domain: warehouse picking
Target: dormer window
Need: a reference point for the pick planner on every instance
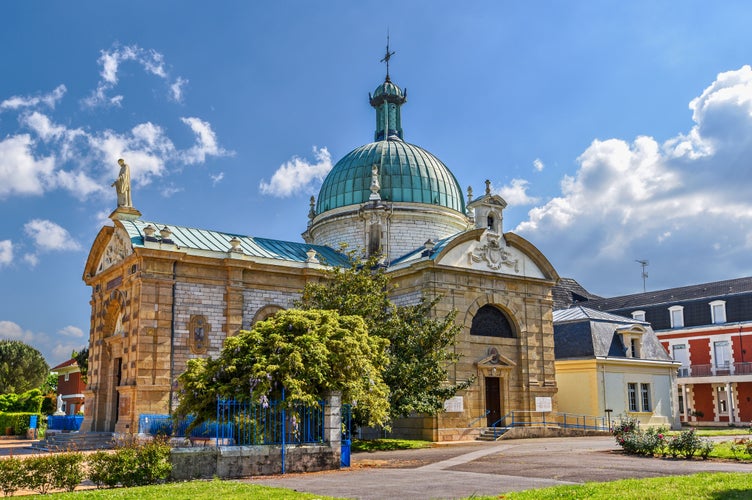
(638, 315)
(631, 338)
(490, 222)
(677, 316)
(718, 311)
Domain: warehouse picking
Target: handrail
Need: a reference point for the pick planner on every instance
(479, 418)
(525, 418)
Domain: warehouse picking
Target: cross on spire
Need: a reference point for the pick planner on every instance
(387, 56)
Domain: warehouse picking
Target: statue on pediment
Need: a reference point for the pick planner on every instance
(123, 185)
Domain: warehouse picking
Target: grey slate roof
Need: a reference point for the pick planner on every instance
(711, 290)
(568, 292)
(580, 332)
(217, 241)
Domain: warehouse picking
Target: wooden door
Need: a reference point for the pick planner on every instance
(493, 400)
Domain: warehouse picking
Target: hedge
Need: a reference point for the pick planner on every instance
(18, 422)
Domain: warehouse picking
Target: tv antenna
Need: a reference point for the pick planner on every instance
(644, 263)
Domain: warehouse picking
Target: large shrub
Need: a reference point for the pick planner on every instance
(653, 441)
(131, 464)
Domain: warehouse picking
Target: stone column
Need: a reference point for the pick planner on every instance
(333, 420)
(730, 402)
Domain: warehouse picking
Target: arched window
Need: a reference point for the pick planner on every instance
(490, 321)
(490, 222)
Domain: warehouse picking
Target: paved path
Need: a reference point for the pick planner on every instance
(462, 470)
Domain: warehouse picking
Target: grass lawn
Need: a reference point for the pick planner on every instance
(359, 445)
(214, 490)
(697, 487)
(712, 431)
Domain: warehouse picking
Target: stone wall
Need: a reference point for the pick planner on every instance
(245, 461)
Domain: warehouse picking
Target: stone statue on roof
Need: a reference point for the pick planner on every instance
(123, 185)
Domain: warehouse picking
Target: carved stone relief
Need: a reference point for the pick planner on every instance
(116, 251)
(494, 254)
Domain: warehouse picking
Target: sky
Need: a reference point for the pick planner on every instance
(616, 131)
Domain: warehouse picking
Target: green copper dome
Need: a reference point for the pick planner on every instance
(406, 173)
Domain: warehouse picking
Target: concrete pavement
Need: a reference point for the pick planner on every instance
(462, 470)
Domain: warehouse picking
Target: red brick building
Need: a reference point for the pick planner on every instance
(70, 386)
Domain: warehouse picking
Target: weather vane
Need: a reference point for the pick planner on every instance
(387, 56)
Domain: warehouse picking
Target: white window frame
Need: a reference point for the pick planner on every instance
(646, 398)
(633, 397)
(676, 313)
(67, 377)
(718, 312)
(638, 315)
(684, 368)
(726, 362)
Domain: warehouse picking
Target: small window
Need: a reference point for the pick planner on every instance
(491, 222)
(645, 396)
(638, 315)
(67, 377)
(681, 404)
(718, 311)
(677, 316)
(634, 343)
(632, 394)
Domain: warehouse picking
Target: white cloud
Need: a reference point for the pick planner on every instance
(71, 331)
(11, 331)
(110, 61)
(49, 236)
(216, 179)
(516, 193)
(206, 142)
(680, 203)
(31, 259)
(21, 171)
(538, 165)
(19, 102)
(176, 89)
(6, 252)
(298, 175)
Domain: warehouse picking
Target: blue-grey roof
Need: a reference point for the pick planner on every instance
(580, 332)
(217, 241)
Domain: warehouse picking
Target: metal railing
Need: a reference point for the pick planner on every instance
(542, 419)
(707, 370)
(475, 421)
(242, 423)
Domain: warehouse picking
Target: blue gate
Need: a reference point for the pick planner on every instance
(346, 435)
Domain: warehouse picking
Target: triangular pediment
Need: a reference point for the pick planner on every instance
(488, 200)
(494, 359)
(111, 246)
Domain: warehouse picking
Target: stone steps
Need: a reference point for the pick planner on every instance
(491, 433)
(64, 441)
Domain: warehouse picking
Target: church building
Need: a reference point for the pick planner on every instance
(162, 294)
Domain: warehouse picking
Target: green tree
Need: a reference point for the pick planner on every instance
(420, 343)
(307, 352)
(82, 359)
(22, 367)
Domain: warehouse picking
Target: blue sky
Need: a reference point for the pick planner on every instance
(615, 130)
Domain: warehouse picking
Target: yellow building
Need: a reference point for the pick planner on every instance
(612, 366)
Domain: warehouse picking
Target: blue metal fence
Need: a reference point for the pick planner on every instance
(64, 422)
(242, 423)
